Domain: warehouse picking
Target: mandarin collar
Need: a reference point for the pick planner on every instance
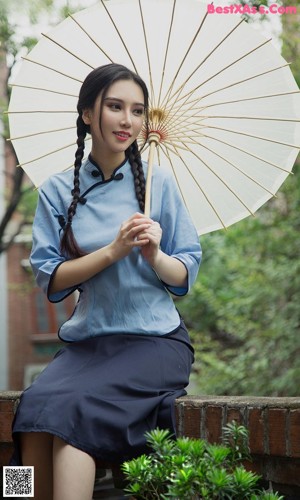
(92, 167)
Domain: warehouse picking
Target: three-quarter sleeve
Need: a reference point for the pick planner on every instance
(179, 236)
(45, 255)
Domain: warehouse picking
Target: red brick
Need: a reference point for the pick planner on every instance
(283, 471)
(294, 433)
(213, 423)
(6, 405)
(277, 431)
(6, 419)
(234, 414)
(254, 466)
(192, 421)
(178, 419)
(6, 452)
(256, 430)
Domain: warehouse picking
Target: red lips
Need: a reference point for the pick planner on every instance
(122, 135)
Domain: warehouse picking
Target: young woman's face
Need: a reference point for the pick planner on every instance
(121, 119)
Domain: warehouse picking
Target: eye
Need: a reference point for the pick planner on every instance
(138, 111)
(114, 106)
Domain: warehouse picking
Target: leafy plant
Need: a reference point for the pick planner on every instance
(193, 469)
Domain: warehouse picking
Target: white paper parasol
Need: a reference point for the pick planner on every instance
(225, 107)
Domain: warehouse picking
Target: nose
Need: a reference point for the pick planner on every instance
(126, 118)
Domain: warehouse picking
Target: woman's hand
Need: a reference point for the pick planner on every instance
(133, 233)
(153, 234)
(137, 231)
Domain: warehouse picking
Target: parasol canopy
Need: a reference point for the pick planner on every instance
(224, 106)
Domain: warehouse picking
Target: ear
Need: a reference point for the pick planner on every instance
(86, 116)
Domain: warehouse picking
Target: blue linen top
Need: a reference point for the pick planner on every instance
(128, 296)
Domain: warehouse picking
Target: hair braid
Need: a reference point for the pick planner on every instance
(68, 242)
(135, 161)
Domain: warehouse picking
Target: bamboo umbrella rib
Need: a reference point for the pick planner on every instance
(166, 98)
(238, 169)
(39, 111)
(254, 136)
(267, 118)
(47, 154)
(191, 102)
(40, 133)
(240, 81)
(178, 124)
(173, 119)
(222, 180)
(43, 90)
(90, 37)
(202, 191)
(167, 155)
(177, 137)
(267, 96)
(145, 147)
(166, 52)
(67, 50)
(176, 116)
(172, 144)
(184, 122)
(51, 69)
(221, 70)
(152, 93)
(189, 139)
(247, 153)
(180, 88)
(64, 169)
(120, 36)
(225, 68)
(177, 130)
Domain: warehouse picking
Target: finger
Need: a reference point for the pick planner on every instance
(134, 231)
(138, 216)
(140, 242)
(154, 232)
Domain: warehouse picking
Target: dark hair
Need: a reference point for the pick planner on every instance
(99, 81)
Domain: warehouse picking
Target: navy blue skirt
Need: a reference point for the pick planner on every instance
(102, 394)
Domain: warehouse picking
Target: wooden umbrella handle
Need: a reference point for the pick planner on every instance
(153, 140)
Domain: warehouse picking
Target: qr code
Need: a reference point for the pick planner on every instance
(18, 482)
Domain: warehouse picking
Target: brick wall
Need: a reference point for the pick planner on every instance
(273, 423)
(8, 404)
(19, 315)
(274, 432)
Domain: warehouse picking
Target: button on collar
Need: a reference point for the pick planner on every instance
(96, 173)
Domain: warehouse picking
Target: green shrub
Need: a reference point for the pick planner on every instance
(193, 469)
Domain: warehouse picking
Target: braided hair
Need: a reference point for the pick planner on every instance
(68, 242)
(135, 161)
(99, 81)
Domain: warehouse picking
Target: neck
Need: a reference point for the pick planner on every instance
(107, 163)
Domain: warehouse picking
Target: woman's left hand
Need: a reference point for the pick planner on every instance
(153, 234)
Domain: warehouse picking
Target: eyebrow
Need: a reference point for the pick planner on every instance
(121, 100)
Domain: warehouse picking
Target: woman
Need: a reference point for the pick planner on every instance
(128, 354)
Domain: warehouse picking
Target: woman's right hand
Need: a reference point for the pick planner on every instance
(127, 237)
(74, 271)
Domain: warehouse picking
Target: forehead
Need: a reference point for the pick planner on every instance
(127, 91)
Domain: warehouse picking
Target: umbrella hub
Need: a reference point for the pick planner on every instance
(157, 132)
(154, 136)
(156, 115)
